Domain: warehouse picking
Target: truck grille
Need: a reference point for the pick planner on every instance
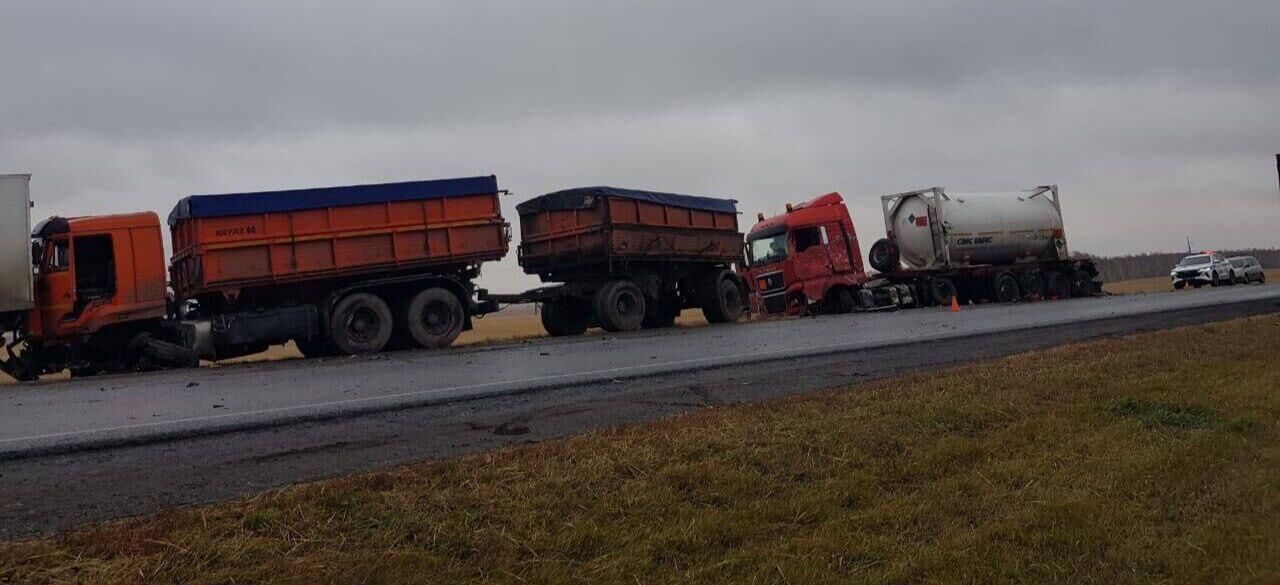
(767, 283)
(775, 304)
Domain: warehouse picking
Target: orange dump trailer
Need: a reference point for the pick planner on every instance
(627, 259)
(338, 269)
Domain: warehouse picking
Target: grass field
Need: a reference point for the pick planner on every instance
(1153, 458)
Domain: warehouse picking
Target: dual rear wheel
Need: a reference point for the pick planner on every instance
(620, 305)
(364, 323)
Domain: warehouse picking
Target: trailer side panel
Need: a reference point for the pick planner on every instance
(334, 233)
(15, 244)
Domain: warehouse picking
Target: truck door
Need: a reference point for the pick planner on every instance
(811, 260)
(55, 286)
(838, 248)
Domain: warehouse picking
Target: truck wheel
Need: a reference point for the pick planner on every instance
(1181, 284)
(619, 306)
(434, 318)
(840, 301)
(565, 316)
(361, 323)
(942, 290)
(170, 355)
(661, 313)
(721, 297)
(1056, 285)
(316, 348)
(1004, 288)
(1081, 284)
(1032, 285)
(884, 256)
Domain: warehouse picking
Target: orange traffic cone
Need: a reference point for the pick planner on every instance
(955, 304)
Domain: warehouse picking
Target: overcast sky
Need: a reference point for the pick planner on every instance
(1159, 119)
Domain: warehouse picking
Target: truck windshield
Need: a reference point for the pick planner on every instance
(768, 250)
(1194, 260)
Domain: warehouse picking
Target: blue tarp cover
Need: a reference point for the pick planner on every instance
(584, 197)
(196, 206)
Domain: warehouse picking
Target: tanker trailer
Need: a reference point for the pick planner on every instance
(1002, 246)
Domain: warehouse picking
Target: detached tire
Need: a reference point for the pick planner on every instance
(434, 318)
(564, 317)
(619, 306)
(721, 298)
(361, 323)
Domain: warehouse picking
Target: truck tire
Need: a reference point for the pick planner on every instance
(169, 355)
(1004, 288)
(941, 290)
(619, 306)
(840, 301)
(1181, 284)
(565, 316)
(316, 347)
(1081, 284)
(1032, 285)
(661, 313)
(434, 318)
(885, 256)
(361, 323)
(720, 297)
(1057, 285)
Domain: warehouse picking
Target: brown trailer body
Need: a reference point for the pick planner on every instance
(629, 259)
(353, 269)
(270, 244)
(601, 230)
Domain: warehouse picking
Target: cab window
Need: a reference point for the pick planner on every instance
(95, 268)
(57, 255)
(807, 238)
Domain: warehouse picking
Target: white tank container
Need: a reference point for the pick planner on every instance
(934, 229)
(15, 243)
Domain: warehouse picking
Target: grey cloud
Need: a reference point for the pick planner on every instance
(1158, 118)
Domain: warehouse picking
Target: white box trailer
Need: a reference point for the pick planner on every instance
(15, 244)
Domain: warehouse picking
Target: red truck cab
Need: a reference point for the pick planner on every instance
(806, 259)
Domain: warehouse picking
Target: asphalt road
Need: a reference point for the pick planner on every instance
(120, 410)
(412, 406)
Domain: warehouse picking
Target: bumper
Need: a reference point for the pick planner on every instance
(1191, 279)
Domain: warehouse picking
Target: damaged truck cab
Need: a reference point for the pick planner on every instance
(99, 285)
(805, 257)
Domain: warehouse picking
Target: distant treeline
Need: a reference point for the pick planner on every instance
(1117, 268)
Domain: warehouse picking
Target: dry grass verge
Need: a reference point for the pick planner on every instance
(1154, 458)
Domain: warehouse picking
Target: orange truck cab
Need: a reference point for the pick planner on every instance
(99, 287)
(806, 259)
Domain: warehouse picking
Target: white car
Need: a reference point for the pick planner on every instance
(1247, 269)
(1200, 269)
